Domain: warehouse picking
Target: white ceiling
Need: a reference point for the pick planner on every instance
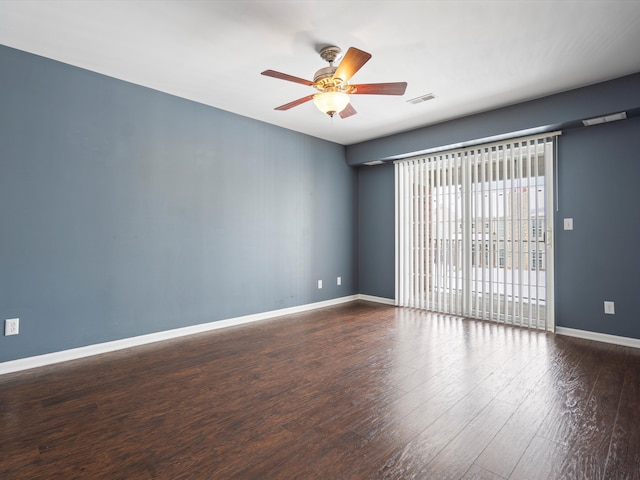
(473, 55)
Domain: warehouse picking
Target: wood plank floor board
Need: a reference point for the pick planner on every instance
(503, 375)
(413, 460)
(356, 391)
(504, 451)
(589, 447)
(623, 460)
(478, 473)
(541, 460)
(458, 455)
(520, 386)
(572, 395)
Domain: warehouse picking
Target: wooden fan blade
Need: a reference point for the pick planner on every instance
(295, 103)
(396, 88)
(284, 76)
(348, 111)
(351, 63)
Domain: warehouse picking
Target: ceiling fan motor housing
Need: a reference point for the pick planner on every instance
(323, 78)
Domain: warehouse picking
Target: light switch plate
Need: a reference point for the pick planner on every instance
(568, 223)
(609, 308)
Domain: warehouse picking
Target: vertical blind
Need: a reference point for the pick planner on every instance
(472, 236)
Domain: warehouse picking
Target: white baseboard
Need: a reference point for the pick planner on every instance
(599, 337)
(370, 298)
(89, 350)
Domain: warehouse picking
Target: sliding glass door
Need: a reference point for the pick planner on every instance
(472, 235)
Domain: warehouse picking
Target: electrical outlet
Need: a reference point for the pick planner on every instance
(609, 308)
(319, 283)
(339, 281)
(11, 326)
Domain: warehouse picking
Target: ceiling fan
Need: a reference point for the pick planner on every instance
(333, 83)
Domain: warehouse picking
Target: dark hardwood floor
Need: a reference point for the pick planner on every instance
(358, 391)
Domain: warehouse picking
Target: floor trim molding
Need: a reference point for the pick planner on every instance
(599, 337)
(96, 349)
(371, 298)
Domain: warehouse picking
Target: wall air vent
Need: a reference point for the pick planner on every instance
(422, 98)
(605, 119)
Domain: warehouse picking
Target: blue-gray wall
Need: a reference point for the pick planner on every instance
(598, 171)
(125, 211)
(376, 216)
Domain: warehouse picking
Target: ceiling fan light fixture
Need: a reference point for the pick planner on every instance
(331, 102)
(333, 83)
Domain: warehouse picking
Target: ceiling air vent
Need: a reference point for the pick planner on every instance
(374, 162)
(422, 98)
